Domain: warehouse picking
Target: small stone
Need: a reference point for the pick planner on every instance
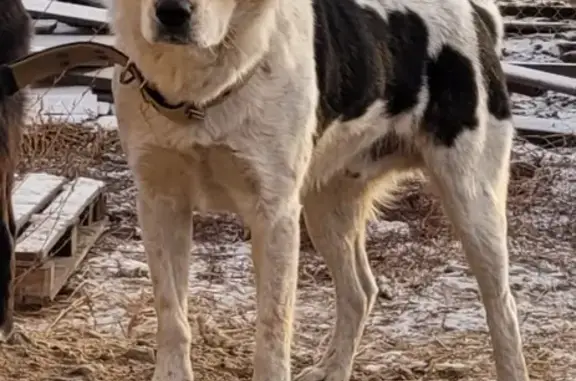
(385, 288)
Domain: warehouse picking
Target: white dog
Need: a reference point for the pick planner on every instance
(320, 104)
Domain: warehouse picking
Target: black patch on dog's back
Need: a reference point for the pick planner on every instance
(453, 96)
(405, 43)
(492, 73)
(361, 58)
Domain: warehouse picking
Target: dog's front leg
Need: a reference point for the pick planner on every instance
(275, 245)
(165, 217)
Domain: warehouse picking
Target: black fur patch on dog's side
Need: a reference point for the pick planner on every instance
(349, 65)
(453, 94)
(404, 44)
(362, 58)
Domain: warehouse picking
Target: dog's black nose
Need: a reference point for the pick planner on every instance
(173, 13)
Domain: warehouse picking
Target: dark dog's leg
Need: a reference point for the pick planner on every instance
(7, 262)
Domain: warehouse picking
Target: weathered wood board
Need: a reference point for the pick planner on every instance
(73, 100)
(45, 41)
(42, 284)
(546, 131)
(59, 221)
(72, 14)
(539, 79)
(33, 193)
(92, 3)
(559, 68)
(44, 26)
(98, 80)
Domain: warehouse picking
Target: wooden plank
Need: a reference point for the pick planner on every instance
(535, 126)
(49, 226)
(529, 27)
(33, 193)
(44, 26)
(99, 80)
(33, 281)
(42, 284)
(108, 122)
(72, 14)
(104, 108)
(43, 119)
(539, 79)
(65, 266)
(41, 42)
(105, 96)
(566, 69)
(65, 29)
(529, 91)
(73, 100)
(92, 3)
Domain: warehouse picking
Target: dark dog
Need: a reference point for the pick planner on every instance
(15, 35)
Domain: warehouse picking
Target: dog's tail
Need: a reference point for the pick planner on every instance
(490, 14)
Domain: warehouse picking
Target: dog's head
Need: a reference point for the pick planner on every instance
(203, 23)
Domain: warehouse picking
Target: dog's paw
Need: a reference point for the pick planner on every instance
(173, 367)
(320, 373)
(172, 375)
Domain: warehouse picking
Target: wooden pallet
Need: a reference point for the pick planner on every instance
(58, 223)
(72, 14)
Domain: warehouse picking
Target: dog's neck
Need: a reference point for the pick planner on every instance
(182, 73)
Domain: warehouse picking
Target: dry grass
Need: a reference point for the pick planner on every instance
(70, 346)
(66, 353)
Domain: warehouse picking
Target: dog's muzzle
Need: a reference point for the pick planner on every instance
(173, 19)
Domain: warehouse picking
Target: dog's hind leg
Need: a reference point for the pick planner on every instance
(472, 182)
(165, 215)
(336, 216)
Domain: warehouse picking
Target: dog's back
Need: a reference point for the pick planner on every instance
(14, 43)
(436, 61)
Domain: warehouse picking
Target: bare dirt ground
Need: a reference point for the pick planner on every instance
(428, 323)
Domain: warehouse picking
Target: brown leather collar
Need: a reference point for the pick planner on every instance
(58, 59)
